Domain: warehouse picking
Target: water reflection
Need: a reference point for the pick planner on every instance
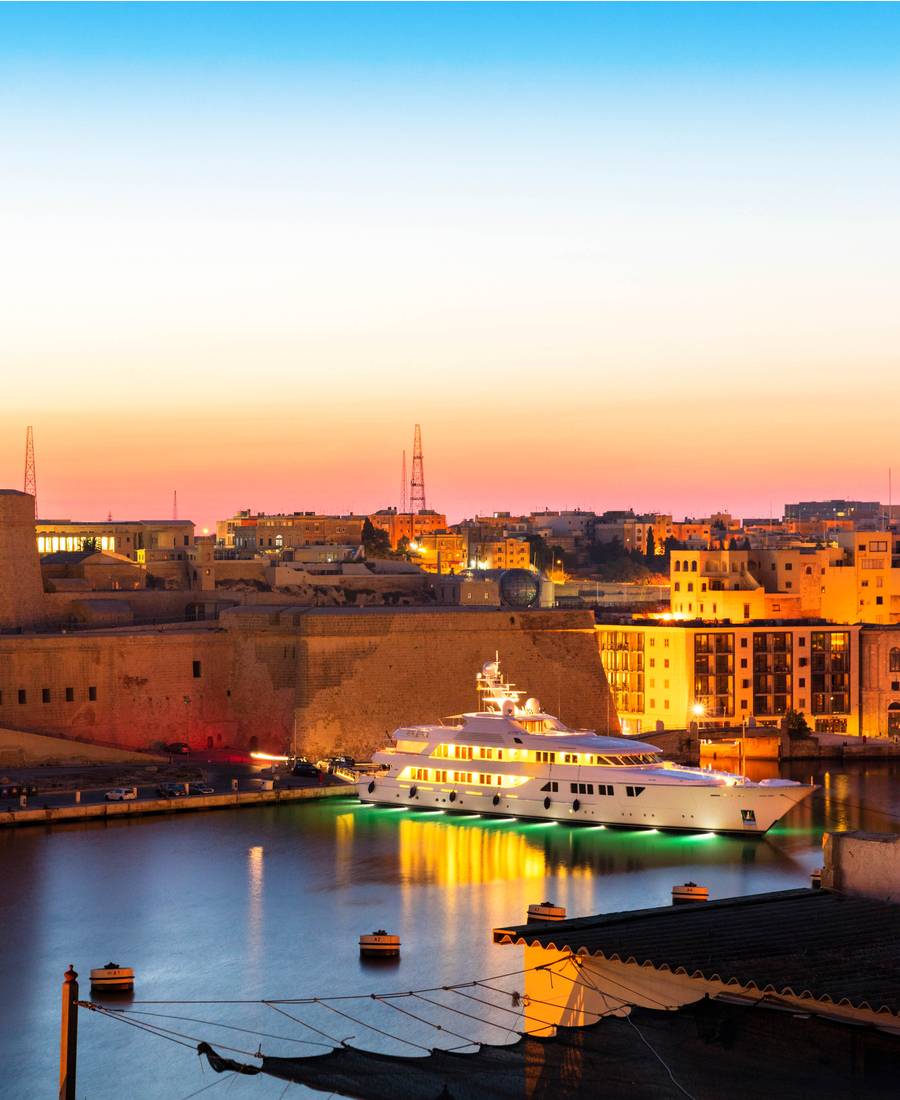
(281, 894)
(255, 907)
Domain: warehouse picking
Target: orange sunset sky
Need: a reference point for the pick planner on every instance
(605, 256)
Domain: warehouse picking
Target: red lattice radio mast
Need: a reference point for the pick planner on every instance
(30, 475)
(417, 481)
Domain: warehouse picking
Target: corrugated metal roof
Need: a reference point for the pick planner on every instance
(814, 944)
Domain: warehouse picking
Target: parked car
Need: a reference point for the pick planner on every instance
(13, 790)
(201, 788)
(170, 790)
(121, 794)
(178, 748)
(304, 768)
(334, 762)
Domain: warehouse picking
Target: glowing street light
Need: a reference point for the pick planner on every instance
(698, 710)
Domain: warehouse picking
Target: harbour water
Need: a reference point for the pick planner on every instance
(250, 904)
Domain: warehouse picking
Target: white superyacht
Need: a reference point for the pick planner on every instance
(510, 759)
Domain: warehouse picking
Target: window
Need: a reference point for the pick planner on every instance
(45, 695)
(551, 786)
(894, 660)
(604, 788)
(23, 696)
(92, 694)
(197, 670)
(633, 792)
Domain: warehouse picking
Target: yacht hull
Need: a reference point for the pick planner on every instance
(746, 809)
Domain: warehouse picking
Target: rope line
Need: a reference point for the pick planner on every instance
(372, 1027)
(438, 1027)
(659, 1059)
(212, 1084)
(303, 1023)
(344, 996)
(215, 1023)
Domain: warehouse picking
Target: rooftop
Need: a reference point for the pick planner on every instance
(815, 944)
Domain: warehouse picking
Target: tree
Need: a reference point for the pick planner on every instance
(403, 550)
(90, 542)
(651, 547)
(795, 724)
(375, 540)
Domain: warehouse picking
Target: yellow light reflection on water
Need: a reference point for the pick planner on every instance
(255, 907)
(454, 855)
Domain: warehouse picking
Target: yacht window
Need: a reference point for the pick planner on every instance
(573, 788)
(633, 792)
(518, 740)
(552, 786)
(604, 788)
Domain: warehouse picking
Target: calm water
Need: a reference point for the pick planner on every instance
(270, 902)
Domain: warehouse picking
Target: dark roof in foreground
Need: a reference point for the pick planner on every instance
(814, 944)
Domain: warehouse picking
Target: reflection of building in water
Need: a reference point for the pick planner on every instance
(452, 855)
(255, 906)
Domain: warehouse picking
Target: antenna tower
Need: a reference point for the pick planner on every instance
(403, 486)
(174, 504)
(417, 481)
(30, 475)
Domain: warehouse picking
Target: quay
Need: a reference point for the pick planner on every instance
(100, 811)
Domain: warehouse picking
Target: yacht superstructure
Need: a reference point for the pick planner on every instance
(510, 758)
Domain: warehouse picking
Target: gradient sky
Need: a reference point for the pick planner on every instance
(612, 255)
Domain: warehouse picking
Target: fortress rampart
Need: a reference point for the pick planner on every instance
(322, 679)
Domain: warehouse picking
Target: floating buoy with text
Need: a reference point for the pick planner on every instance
(689, 891)
(540, 911)
(379, 944)
(112, 978)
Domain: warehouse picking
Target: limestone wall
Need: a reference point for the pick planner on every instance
(22, 604)
(127, 688)
(363, 674)
(342, 678)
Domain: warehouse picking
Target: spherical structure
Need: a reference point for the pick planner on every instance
(519, 588)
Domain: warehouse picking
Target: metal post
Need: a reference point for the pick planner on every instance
(68, 1045)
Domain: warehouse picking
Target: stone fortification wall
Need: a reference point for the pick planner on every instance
(22, 605)
(341, 678)
(128, 688)
(363, 674)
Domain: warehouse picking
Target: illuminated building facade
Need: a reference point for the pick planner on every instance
(674, 673)
(505, 553)
(250, 532)
(411, 526)
(855, 579)
(439, 552)
(135, 539)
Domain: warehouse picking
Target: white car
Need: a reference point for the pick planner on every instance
(121, 794)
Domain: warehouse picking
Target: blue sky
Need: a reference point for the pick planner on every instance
(318, 222)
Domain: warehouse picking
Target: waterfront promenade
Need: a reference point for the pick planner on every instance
(148, 802)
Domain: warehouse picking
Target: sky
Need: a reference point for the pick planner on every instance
(606, 255)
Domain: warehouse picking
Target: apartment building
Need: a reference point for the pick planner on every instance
(676, 673)
(854, 579)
